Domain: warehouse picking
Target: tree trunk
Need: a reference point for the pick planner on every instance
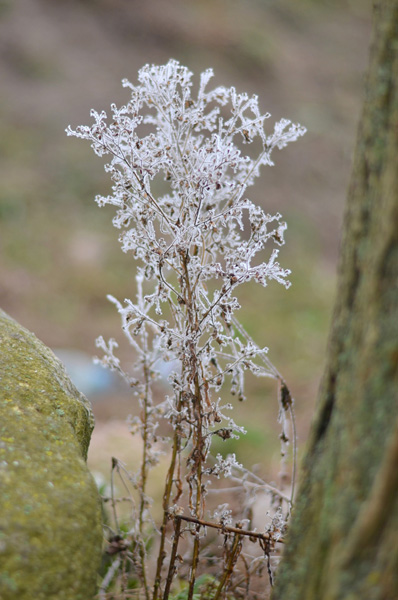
(343, 538)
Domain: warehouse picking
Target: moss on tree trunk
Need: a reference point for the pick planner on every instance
(343, 539)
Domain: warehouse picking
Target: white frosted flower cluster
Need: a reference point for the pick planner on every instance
(180, 164)
(200, 226)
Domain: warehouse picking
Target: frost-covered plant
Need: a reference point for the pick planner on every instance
(180, 175)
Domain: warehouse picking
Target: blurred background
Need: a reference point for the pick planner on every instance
(59, 254)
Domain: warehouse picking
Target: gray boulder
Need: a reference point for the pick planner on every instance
(50, 516)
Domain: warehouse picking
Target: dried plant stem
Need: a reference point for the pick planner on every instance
(198, 453)
(108, 578)
(195, 560)
(166, 504)
(262, 485)
(143, 482)
(172, 566)
(294, 471)
(229, 567)
(113, 502)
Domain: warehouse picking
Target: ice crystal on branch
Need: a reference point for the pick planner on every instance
(180, 164)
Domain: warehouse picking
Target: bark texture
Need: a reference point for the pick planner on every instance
(343, 539)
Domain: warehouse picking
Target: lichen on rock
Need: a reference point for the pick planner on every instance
(50, 516)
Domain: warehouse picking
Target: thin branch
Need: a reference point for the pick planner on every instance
(172, 566)
(233, 557)
(266, 537)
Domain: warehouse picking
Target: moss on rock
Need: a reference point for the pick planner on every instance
(50, 518)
